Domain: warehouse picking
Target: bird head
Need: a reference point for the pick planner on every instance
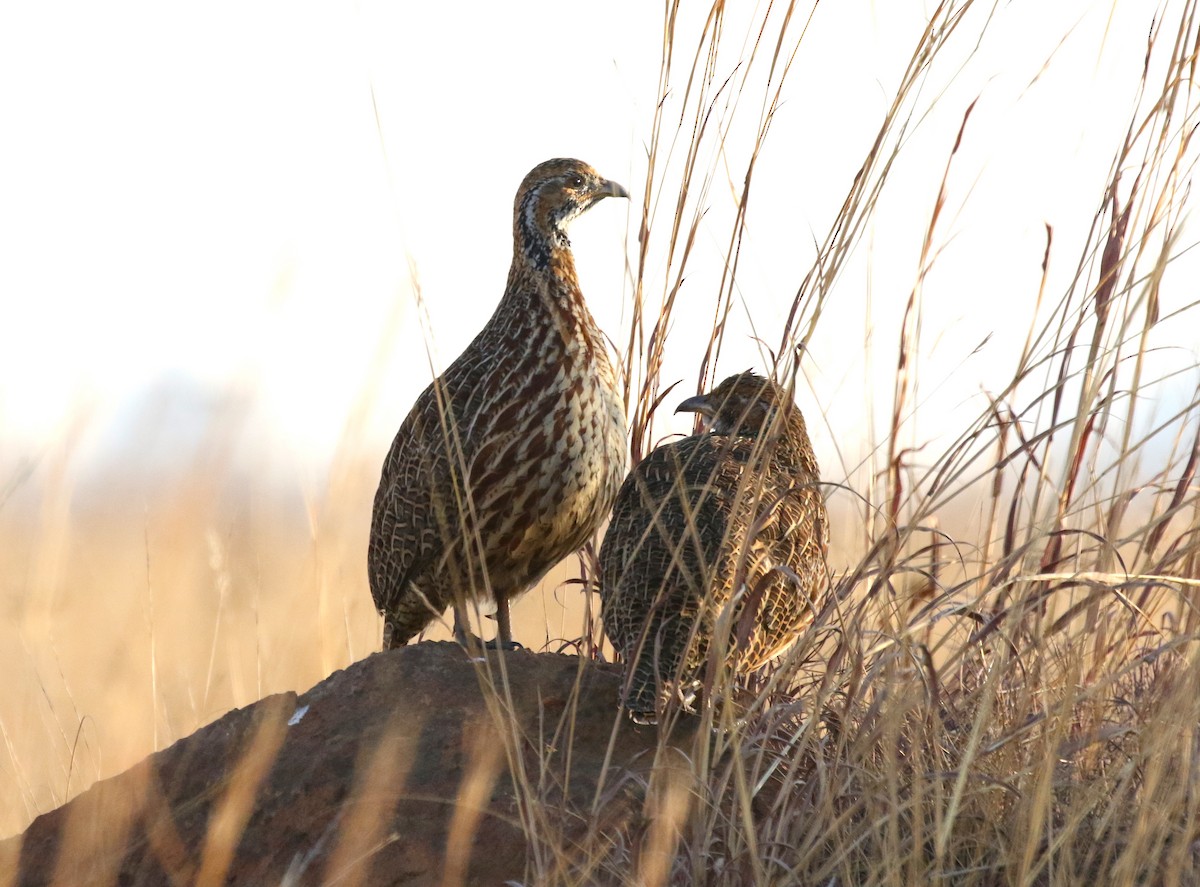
(554, 193)
(742, 404)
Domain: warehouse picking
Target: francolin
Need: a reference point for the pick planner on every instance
(510, 460)
(722, 531)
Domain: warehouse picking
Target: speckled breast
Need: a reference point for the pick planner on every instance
(569, 465)
(595, 468)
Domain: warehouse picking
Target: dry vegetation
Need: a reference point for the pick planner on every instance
(1017, 707)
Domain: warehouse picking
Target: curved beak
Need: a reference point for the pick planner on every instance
(608, 188)
(698, 404)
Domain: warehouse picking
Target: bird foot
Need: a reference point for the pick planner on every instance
(472, 643)
(687, 697)
(506, 646)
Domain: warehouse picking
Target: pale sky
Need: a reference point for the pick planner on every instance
(211, 215)
(203, 193)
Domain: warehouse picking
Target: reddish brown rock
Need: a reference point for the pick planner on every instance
(415, 766)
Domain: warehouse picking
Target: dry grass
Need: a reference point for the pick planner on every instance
(1019, 705)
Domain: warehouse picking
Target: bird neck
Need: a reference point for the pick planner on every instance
(786, 438)
(542, 250)
(542, 283)
(540, 241)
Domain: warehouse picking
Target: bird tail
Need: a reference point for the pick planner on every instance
(643, 696)
(653, 679)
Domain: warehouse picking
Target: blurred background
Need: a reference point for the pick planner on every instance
(237, 240)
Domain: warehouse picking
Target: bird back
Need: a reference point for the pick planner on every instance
(716, 541)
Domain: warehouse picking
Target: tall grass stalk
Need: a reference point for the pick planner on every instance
(1017, 708)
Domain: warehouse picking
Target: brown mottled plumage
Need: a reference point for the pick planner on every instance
(706, 527)
(510, 460)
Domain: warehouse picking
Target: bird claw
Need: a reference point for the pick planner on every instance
(473, 643)
(506, 646)
(686, 694)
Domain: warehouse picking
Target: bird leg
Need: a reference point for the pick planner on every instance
(471, 642)
(462, 631)
(503, 639)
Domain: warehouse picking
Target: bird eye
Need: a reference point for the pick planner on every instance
(576, 180)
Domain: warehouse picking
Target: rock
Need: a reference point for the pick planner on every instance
(416, 766)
